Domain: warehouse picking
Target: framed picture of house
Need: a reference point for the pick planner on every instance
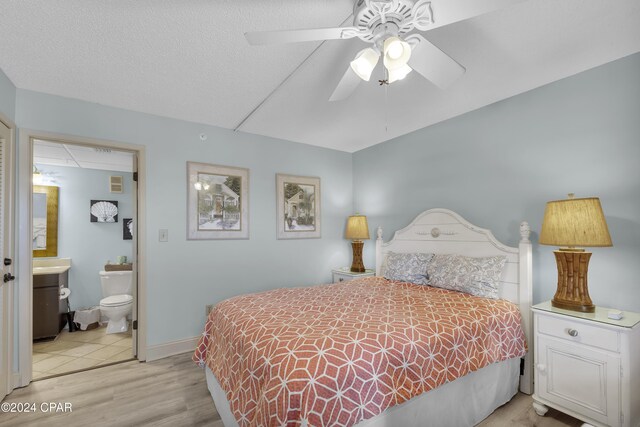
(217, 202)
(298, 206)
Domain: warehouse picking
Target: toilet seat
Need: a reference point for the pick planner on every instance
(116, 301)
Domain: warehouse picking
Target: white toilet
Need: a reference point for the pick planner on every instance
(117, 303)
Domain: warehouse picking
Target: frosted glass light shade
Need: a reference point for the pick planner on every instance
(365, 62)
(396, 53)
(357, 228)
(37, 179)
(399, 73)
(575, 222)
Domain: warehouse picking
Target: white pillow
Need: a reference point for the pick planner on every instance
(475, 276)
(406, 267)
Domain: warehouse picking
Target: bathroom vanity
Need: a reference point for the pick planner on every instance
(50, 279)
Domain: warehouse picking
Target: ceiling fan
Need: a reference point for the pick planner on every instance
(386, 24)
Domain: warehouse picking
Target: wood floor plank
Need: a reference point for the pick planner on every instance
(173, 392)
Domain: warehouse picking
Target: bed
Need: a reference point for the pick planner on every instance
(362, 352)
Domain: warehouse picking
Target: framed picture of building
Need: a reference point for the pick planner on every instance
(217, 202)
(298, 206)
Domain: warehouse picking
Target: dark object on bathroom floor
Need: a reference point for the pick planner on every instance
(69, 317)
(118, 267)
(90, 326)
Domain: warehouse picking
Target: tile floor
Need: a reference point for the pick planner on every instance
(79, 350)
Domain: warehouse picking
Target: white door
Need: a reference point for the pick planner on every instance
(6, 247)
(134, 253)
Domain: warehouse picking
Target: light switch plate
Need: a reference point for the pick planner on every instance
(163, 235)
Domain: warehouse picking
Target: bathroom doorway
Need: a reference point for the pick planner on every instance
(84, 208)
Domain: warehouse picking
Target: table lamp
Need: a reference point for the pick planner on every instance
(574, 223)
(357, 229)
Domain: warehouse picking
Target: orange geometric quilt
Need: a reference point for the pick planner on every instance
(334, 355)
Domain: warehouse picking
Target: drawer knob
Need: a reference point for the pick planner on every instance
(541, 367)
(572, 332)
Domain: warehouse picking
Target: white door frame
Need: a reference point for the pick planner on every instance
(25, 291)
(8, 288)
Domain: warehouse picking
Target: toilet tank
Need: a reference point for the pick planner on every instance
(115, 283)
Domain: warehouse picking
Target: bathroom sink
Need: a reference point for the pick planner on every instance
(50, 270)
(51, 266)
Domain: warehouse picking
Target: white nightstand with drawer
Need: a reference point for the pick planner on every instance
(344, 274)
(587, 365)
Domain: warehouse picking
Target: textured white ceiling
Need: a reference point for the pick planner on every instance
(78, 156)
(190, 60)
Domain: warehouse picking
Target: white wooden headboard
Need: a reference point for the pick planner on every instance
(442, 231)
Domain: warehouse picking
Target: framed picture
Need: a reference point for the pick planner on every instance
(298, 206)
(104, 211)
(127, 228)
(217, 202)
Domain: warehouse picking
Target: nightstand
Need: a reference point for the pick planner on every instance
(587, 365)
(344, 274)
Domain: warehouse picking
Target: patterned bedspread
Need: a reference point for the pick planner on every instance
(333, 355)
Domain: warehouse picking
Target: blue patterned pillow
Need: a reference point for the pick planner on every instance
(407, 267)
(475, 276)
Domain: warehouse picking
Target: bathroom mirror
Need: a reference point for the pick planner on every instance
(45, 221)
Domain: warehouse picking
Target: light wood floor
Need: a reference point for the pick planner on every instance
(173, 392)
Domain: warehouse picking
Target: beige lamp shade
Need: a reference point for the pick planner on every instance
(357, 228)
(575, 222)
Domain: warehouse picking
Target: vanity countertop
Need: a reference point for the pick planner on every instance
(51, 265)
(50, 270)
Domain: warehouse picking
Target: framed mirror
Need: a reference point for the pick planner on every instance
(45, 221)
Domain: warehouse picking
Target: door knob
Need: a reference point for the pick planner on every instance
(541, 367)
(7, 261)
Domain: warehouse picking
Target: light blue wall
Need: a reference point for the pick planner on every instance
(500, 164)
(495, 166)
(88, 244)
(183, 276)
(7, 97)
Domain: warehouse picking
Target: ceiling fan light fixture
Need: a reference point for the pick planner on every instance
(38, 179)
(396, 53)
(399, 73)
(365, 62)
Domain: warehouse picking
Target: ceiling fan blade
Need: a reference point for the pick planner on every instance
(347, 85)
(447, 12)
(432, 63)
(294, 36)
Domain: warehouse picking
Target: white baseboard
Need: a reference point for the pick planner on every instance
(160, 351)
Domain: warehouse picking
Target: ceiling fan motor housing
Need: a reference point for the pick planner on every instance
(377, 20)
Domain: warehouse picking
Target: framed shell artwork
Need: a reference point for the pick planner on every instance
(127, 228)
(104, 211)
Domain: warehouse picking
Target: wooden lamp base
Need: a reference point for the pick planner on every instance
(357, 266)
(572, 292)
